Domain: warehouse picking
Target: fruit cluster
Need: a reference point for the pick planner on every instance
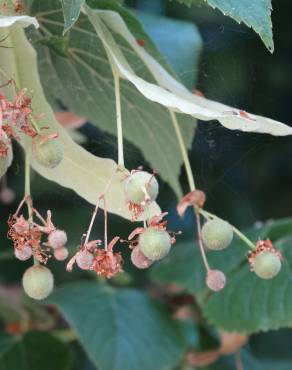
(217, 234)
(149, 243)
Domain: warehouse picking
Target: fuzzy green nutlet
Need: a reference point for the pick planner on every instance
(47, 150)
(217, 234)
(141, 187)
(154, 243)
(38, 282)
(267, 265)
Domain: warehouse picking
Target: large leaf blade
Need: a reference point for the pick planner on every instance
(120, 327)
(255, 14)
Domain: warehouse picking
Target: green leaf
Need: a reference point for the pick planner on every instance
(247, 303)
(33, 351)
(79, 170)
(83, 82)
(255, 14)
(120, 328)
(71, 11)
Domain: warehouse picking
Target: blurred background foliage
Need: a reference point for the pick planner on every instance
(247, 177)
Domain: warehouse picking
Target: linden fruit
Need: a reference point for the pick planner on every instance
(141, 186)
(47, 152)
(217, 234)
(267, 265)
(154, 243)
(38, 282)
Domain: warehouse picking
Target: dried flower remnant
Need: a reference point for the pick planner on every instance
(17, 113)
(265, 260)
(195, 198)
(107, 263)
(28, 237)
(17, 116)
(103, 261)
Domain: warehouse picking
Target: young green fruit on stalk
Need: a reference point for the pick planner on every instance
(47, 150)
(38, 282)
(267, 265)
(154, 243)
(140, 187)
(217, 234)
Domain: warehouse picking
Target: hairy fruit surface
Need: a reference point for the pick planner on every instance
(38, 282)
(154, 243)
(217, 234)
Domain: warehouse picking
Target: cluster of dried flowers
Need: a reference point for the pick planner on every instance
(16, 121)
(31, 239)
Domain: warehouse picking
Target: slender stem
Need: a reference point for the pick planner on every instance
(105, 223)
(191, 182)
(236, 231)
(200, 240)
(92, 221)
(121, 161)
(183, 150)
(34, 124)
(27, 173)
(27, 186)
(102, 196)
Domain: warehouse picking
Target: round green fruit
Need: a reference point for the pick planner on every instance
(217, 234)
(154, 243)
(267, 265)
(47, 152)
(38, 282)
(141, 186)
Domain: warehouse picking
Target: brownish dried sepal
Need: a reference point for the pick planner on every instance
(104, 262)
(195, 198)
